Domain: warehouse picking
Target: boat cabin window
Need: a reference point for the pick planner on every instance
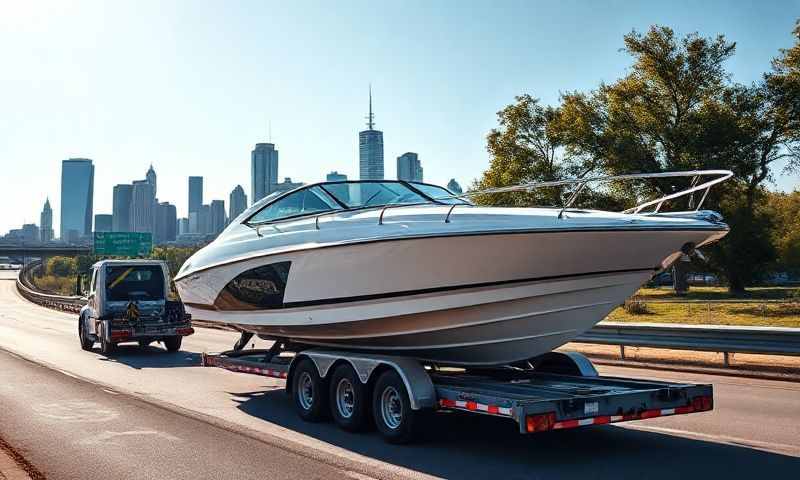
(438, 193)
(302, 202)
(373, 194)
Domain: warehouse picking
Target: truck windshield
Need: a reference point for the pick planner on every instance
(141, 282)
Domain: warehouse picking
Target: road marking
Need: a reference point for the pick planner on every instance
(112, 437)
(76, 411)
(745, 442)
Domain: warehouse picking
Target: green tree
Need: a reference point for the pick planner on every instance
(61, 266)
(785, 208)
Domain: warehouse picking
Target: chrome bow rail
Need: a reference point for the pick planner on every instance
(719, 176)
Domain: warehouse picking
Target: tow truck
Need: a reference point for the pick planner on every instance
(127, 301)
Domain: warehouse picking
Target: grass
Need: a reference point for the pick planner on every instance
(742, 314)
(720, 293)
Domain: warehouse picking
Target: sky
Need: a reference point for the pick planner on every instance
(191, 86)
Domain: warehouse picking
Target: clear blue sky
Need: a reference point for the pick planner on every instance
(190, 86)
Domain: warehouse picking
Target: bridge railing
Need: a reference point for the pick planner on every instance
(28, 290)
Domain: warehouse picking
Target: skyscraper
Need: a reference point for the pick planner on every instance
(370, 149)
(263, 170)
(121, 210)
(454, 187)
(150, 176)
(166, 223)
(409, 168)
(203, 219)
(46, 222)
(103, 222)
(142, 206)
(77, 195)
(195, 194)
(335, 176)
(237, 202)
(217, 220)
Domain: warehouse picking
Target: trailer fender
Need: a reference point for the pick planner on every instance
(417, 381)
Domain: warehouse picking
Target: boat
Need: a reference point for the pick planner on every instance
(412, 269)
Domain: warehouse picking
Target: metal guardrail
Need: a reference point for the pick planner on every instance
(707, 338)
(58, 302)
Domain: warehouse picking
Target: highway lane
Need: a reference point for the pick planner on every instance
(755, 427)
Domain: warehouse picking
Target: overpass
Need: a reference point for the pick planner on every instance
(41, 251)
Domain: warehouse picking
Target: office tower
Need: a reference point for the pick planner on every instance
(335, 176)
(103, 222)
(183, 226)
(121, 209)
(454, 187)
(370, 149)
(237, 203)
(204, 219)
(29, 233)
(217, 216)
(77, 195)
(166, 223)
(263, 170)
(46, 222)
(150, 177)
(409, 168)
(195, 194)
(286, 185)
(142, 206)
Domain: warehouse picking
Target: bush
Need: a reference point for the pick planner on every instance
(55, 284)
(61, 267)
(636, 307)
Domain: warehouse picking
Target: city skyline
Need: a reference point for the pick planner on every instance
(175, 69)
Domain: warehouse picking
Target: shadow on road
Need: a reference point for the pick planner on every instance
(153, 356)
(458, 445)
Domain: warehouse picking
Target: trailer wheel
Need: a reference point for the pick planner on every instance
(391, 409)
(86, 340)
(173, 344)
(349, 400)
(308, 390)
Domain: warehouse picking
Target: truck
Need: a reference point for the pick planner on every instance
(128, 301)
(557, 390)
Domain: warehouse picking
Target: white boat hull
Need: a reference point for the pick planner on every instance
(476, 299)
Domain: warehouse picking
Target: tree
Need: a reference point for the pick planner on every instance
(61, 266)
(785, 208)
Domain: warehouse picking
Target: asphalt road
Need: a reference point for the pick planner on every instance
(163, 416)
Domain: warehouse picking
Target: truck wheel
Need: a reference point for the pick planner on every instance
(173, 344)
(349, 399)
(308, 390)
(107, 347)
(391, 409)
(86, 341)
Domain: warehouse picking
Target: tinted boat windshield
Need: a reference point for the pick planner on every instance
(373, 194)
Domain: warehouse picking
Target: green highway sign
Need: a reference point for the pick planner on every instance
(123, 244)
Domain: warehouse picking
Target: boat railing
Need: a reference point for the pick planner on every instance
(717, 176)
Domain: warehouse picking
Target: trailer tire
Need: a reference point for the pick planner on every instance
(349, 399)
(86, 340)
(309, 392)
(173, 344)
(391, 409)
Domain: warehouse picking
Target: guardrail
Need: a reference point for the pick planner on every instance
(706, 338)
(58, 302)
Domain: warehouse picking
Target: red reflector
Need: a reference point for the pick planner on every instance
(540, 423)
(185, 331)
(703, 403)
(650, 414)
(120, 334)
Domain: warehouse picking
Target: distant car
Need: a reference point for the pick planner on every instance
(127, 302)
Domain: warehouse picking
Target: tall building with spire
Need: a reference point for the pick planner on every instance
(263, 170)
(46, 222)
(370, 148)
(150, 176)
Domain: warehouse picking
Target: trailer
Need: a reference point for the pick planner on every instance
(558, 390)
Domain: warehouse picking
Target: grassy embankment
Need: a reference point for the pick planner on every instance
(763, 306)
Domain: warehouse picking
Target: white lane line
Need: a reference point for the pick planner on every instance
(746, 442)
(112, 437)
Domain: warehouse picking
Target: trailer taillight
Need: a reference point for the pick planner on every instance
(120, 334)
(540, 422)
(703, 403)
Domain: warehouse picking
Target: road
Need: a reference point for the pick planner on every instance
(210, 423)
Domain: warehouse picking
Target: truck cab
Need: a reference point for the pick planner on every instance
(128, 301)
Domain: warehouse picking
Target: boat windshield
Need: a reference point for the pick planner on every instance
(441, 195)
(301, 202)
(373, 194)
